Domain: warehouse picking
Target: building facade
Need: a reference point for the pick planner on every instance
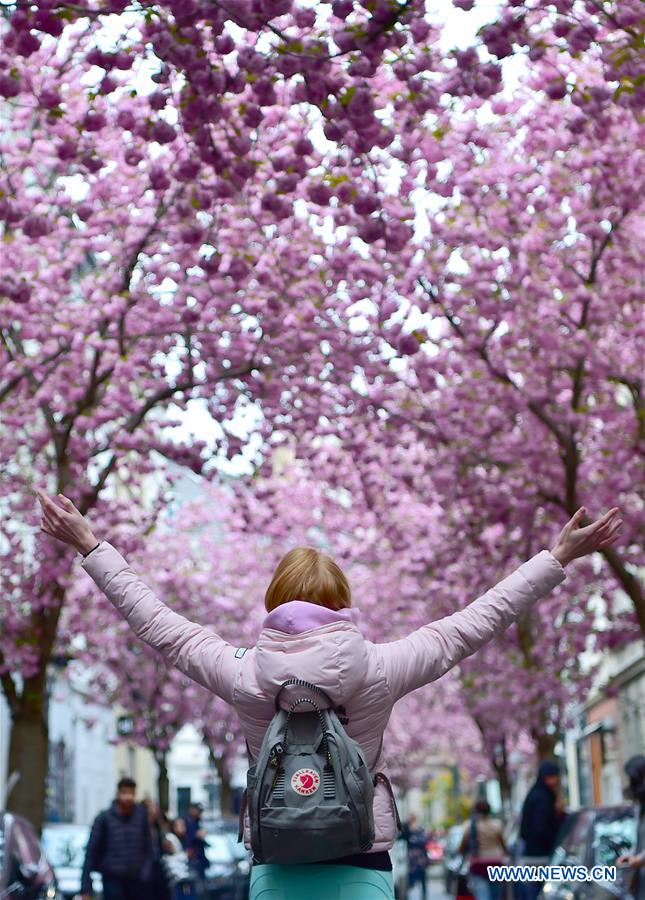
(80, 780)
(610, 728)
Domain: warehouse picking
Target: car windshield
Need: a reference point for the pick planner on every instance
(65, 846)
(224, 848)
(612, 836)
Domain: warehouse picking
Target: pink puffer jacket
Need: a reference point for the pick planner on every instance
(326, 648)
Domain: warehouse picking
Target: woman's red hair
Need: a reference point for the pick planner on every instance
(305, 573)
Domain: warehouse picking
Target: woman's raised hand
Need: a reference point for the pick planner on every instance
(62, 520)
(575, 541)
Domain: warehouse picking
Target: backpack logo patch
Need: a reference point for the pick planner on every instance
(305, 781)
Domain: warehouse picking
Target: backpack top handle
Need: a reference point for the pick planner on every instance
(297, 682)
(321, 719)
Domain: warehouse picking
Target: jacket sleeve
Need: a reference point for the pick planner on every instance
(93, 853)
(432, 650)
(196, 651)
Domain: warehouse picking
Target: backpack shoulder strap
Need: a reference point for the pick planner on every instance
(273, 737)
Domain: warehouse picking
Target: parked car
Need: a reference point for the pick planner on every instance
(594, 836)
(228, 875)
(25, 873)
(64, 847)
(452, 858)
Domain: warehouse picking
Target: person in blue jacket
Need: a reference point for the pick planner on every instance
(195, 845)
(542, 816)
(120, 848)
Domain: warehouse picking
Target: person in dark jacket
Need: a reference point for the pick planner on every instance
(120, 848)
(158, 887)
(415, 837)
(542, 816)
(195, 845)
(635, 771)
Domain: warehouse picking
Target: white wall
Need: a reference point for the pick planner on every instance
(188, 767)
(88, 731)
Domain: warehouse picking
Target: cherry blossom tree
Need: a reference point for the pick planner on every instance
(347, 61)
(531, 280)
(509, 376)
(162, 251)
(409, 522)
(512, 389)
(221, 733)
(156, 697)
(123, 302)
(203, 576)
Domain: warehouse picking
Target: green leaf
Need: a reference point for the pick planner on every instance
(347, 95)
(334, 180)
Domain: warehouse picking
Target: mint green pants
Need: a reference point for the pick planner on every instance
(319, 882)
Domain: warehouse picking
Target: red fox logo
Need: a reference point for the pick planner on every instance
(305, 781)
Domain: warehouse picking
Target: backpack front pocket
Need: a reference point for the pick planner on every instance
(296, 835)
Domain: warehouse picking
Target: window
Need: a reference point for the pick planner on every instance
(183, 800)
(65, 846)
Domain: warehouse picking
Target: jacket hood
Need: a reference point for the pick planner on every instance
(548, 767)
(312, 643)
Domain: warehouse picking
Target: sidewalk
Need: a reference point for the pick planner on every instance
(434, 887)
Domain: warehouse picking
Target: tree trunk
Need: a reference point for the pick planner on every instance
(545, 744)
(163, 786)
(29, 741)
(629, 583)
(28, 749)
(226, 791)
(500, 764)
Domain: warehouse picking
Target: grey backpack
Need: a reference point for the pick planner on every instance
(309, 795)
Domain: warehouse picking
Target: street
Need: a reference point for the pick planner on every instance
(435, 889)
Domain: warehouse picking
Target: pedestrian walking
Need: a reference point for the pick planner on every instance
(483, 842)
(311, 654)
(120, 848)
(176, 863)
(415, 837)
(195, 845)
(542, 816)
(158, 887)
(635, 771)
